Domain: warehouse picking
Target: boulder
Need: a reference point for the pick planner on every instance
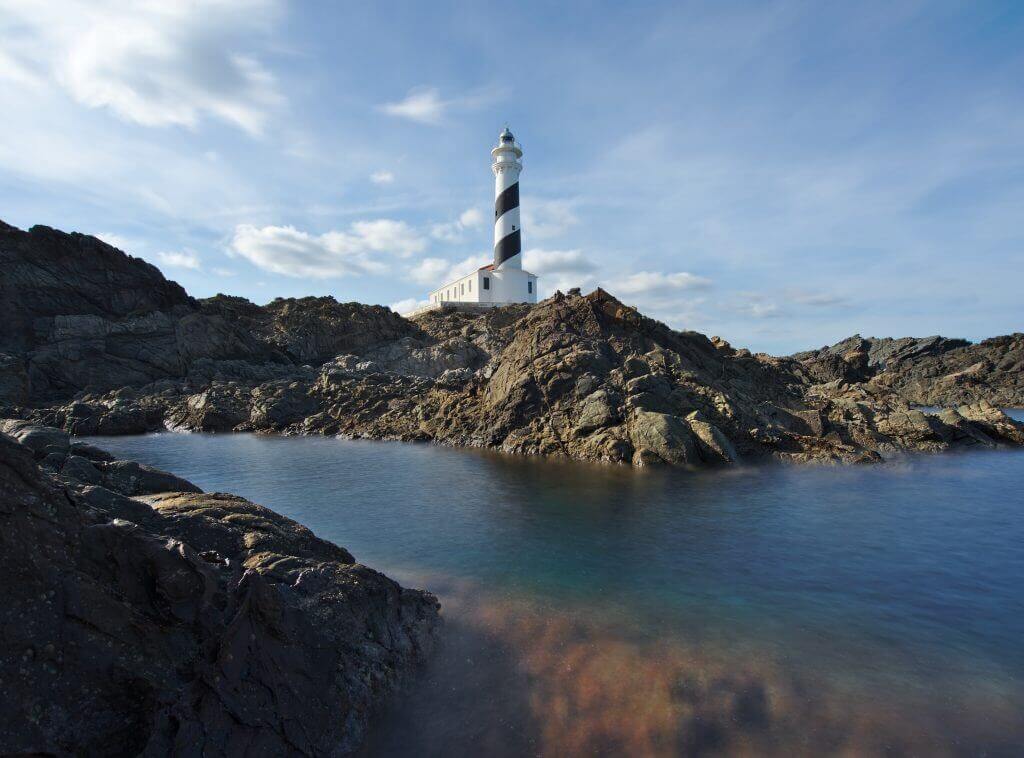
(131, 478)
(713, 445)
(41, 440)
(661, 438)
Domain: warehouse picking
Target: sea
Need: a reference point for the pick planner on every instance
(596, 609)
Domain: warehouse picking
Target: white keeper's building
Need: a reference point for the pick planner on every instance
(504, 281)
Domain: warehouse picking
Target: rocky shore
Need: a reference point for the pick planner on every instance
(93, 341)
(144, 616)
(930, 371)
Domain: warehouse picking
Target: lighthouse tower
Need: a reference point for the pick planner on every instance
(508, 236)
(503, 282)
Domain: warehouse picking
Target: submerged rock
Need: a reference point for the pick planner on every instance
(182, 622)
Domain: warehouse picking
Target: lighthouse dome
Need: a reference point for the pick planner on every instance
(506, 136)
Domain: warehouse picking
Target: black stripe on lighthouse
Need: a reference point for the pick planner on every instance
(506, 201)
(509, 245)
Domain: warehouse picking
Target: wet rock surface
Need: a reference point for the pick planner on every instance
(142, 615)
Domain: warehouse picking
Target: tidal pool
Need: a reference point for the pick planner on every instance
(598, 609)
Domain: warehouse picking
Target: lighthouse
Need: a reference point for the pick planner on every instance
(508, 235)
(504, 281)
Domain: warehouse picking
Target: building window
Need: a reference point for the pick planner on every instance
(487, 282)
(529, 287)
(470, 285)
(462, 288)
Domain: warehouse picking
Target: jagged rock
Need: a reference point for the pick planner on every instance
(275, 405)
(220, 408)
(569, 376)
(314, 329)
(929, 370)
(77, 315)
(196, 624)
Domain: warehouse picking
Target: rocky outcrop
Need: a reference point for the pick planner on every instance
(78, 316)
(579, 376)
(930, 371)
(313, 330)
(142, 615)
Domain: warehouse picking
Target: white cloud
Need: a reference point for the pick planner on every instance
(387, 236)
(291, 252)
(223, 272)
(423, 105)
(816, 299)
(541, 261)
(652, 283)
(435, 272)
(186, 259)
(471, 218)
(755, 305)
(116, 240)
(543, 219)
(408, 305)
(382, 177)
(560, 269)
(152, 63)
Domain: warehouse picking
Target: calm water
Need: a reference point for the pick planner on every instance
(604, 610)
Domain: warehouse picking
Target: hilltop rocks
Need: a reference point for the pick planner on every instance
(179, 622)
(79, 316)
(580, 376)
(313, 330)
(927, 371)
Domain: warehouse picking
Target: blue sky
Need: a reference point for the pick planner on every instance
(782, 174)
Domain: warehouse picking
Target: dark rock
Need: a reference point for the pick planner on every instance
(131, 478)
(220, 408)
(929, 370)
(203, 625)
(41, 440)
(13, 380)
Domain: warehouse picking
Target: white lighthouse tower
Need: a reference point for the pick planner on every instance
(508, 235)
(504, 281)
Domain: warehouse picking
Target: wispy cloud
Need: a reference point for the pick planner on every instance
(471, 218)
(382, 177)
(560, 269)
(408, 305)
(154, 64)
(185, 259)
(434, 272)
(425, 105)
(289, 251)
(545, 218)
(655, 283)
